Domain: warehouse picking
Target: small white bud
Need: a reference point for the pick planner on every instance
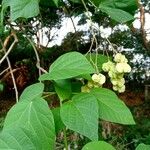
(96, 78)
(127, 68)
(120, 67)
(123, 68)
(115, 88)
(102, 79)
(112, 74)
(108, 66)
(122, 89)
(99, 78)
(121, 82)
(119, 58)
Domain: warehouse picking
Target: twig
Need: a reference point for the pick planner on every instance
(37, 57)
(11, 47)
(93, 38)
(69, 14)
(4, 71)
(13, 78)
(7, 74)
(9, 65)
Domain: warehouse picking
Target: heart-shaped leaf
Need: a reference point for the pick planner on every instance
(81, 115)
(111, 108)
(67, 66)
(34, 116)
(21, 8)
(19, 138)
(32, 91)
(143, 147)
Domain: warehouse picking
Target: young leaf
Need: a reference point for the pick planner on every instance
(21, 8)
(117, 14)
(121, 11)
(34, 116)
(98, 145)
(70, 65)
(57, 119)
(81, 115)
(19, 138)
(32, 91)
(111, 108)
(63, 89)
(143, 147)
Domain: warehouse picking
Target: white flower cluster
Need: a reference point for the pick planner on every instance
(116, 71)
(97, 81)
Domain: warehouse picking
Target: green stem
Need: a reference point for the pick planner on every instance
(65, 139)
(64, 131)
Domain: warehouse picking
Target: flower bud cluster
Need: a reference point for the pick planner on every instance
(116, 71)
(97, 81)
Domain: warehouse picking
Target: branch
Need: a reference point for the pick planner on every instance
(11, 46)
(4, 71)
(9, 64)
(142, 20)
(8, 73)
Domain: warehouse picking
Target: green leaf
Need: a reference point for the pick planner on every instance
(111, 108)
(70, 65)
(125, 3)
(76, 86)
(34, 116)
(143, 147)
(98, 145)
(81, 115)
(21, 8)
(129, 6)
(45, 76)
(121, 11)
(57, 119)
(117, 3)
(18, 138)
(56, 2)
(32, 91)
(63, 89)
(117, 14)
(76, 1)
(100, 60)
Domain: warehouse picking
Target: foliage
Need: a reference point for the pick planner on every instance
(31, 124)
(67, 66)
(97, 145)
(143, 147)
(33, 119)
(31, 116)
(25, 9)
